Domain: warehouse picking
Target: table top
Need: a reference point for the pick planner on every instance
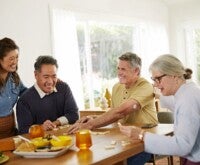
(98, 154)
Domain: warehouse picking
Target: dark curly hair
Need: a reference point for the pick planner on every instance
(45, 59)
(7, 45)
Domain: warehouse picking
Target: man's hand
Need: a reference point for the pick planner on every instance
(77, 126)
(85, 119)
(48, 125)
(74, 128)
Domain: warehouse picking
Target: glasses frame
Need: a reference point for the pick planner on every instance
(158, 78)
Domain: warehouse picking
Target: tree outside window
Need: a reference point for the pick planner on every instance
(98, 67)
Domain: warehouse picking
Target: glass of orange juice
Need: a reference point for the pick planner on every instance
(36, 131)
(83, 139)
(85, 156)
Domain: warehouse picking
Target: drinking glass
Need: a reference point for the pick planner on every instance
(85, 157)
(83, 139)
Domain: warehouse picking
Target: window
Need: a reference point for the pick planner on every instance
(197, 46)
(100, 45)
(192, 34)
(87, 49)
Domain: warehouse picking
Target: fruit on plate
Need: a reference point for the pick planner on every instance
(26, 147)
(40, 142)
(59, 141)
(36, 131)
(3, 158)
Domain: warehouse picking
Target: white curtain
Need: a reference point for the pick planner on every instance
(190, 51)
(65, 48)
(149, 41)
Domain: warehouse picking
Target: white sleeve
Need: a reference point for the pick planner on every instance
(63, 120)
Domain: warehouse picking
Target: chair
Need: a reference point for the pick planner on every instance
(164, 117)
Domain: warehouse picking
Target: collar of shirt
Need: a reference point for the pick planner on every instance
(40, 92)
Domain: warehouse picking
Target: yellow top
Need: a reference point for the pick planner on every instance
(142, 92)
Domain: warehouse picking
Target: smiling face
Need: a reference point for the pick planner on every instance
(126, 73)
(9, 62)
(46, 77)
(166, 83)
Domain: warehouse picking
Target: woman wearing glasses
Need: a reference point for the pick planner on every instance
(168, 75)
(168, 101)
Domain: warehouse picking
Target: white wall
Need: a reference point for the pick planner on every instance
(28, 23)
(181, 15)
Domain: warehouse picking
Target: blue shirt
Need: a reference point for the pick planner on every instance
(186, 139)
(9, 95)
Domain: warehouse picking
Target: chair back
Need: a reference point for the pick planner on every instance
(165, 117)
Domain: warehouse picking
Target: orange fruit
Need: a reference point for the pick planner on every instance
(36, 131)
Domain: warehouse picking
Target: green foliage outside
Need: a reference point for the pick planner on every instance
(107, 43)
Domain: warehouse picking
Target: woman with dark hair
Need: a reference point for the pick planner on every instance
(11, 86)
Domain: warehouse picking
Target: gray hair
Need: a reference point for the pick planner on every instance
(169, 65)
(134, 60)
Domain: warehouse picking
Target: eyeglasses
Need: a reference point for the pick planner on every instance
(158, 78)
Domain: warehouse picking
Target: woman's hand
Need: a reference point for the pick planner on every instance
(157, 93)
(131, 131)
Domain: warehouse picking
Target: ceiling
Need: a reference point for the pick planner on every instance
(175, 2)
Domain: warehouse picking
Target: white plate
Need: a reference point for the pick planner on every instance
(42, 154)
(3, 159)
